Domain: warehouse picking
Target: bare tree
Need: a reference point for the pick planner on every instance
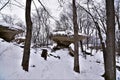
(76, 50)
(58, 25)
(110, 66)
(108, 57)
(26, 54)
(41, 30)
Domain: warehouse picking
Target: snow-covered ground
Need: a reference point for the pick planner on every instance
(91, 68)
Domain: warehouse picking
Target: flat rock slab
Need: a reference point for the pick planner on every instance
(8, 34)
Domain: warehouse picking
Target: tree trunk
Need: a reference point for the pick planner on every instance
(76, 51)
(26, 54)
(81, 45)
(109, 53)
(102, 44)
(110, 69)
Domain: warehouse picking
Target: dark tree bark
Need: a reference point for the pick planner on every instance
(81, 45)
(26, 54)
(110, 69)
(76, 51)
(102, 44)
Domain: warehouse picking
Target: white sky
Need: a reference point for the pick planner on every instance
(52, 5)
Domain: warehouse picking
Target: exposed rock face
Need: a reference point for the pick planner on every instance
(8, 34)
(64, 40)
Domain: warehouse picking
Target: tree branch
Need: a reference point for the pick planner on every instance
(46, 10)
(4, 5)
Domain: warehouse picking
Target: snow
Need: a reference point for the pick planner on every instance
(72, 46)
(59, 32)
(66, 32)
(23, 37)
(54, 68)
(11, 26)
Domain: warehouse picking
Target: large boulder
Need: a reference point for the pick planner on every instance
(64, 39)
(7, 33)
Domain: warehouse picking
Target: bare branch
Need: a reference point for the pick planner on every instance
(100, 19)
(4, 5)
(98, 28)
(17, 5)
(60, 2)
(46, 10)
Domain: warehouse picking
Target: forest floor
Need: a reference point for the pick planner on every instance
(11, 55)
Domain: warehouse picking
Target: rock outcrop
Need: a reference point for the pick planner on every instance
(8, 34)
(64, 39)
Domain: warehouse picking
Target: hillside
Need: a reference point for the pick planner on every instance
(91, 68)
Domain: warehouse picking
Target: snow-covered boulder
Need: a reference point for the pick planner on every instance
(65, 38)
(7, 33)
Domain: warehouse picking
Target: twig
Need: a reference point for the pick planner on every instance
(4, 5)
(46, 10)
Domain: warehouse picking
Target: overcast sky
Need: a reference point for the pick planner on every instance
(52, 5)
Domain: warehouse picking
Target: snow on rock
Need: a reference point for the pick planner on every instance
(59, 32)
(72, 46)
(11, 26)
(23, 37)
(8, 32)
(66, 32)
